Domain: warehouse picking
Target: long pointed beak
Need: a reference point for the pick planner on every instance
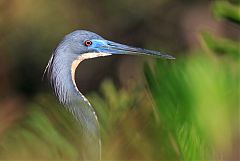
(116, 48)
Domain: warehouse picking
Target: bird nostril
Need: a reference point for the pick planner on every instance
(87, 43)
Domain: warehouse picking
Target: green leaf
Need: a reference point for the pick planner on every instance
(226, 10)
(221, 46)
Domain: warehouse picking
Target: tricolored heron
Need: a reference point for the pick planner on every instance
(73, 49)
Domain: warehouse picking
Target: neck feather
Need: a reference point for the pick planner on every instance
(61, 73)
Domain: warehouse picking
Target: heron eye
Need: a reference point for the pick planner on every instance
(87, 43)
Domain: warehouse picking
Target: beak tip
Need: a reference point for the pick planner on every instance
(169, 57)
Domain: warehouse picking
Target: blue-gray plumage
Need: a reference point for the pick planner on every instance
(74, 48)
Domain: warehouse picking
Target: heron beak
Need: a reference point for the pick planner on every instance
(116, 48)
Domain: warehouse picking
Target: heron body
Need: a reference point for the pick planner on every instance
(72, 50)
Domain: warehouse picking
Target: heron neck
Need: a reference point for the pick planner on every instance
(62, 76)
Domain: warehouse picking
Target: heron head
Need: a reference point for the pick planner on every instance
(90, 45)
(81, 45)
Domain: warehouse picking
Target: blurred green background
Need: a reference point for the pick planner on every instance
(149, 109)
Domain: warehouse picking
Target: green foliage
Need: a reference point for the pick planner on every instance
(44, 133)
(221, 46)
(111, 106)
(124, 117)
(226, 10)
(195, 96)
